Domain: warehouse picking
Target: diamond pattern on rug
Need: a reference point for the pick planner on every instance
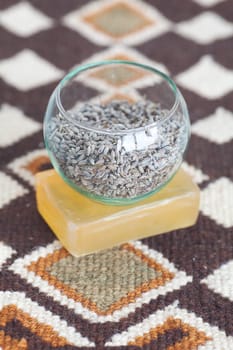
(194, 333)
(217, 128)
(66, 48)
(37, 70)
(23, 19)
(15, 125)
(153, 275)
(92, 302)
(112, 267)
(205, 28)
(197, 175)
(86, 285)
(220, 281)
(189, 337)
(10, 189)
(207, 78)
(111, 20)
(185, 53)
(50, 328)
(104, 78)
(31, 163)
(105, 23)
(124, 75)
(217, 201)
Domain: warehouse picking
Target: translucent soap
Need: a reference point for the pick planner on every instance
(84, 226)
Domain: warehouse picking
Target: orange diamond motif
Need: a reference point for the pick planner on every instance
(190, 338)
(118, 76)
(105, 286)
(102, 282)
(105, 22)
(118, 20)
(44, 331)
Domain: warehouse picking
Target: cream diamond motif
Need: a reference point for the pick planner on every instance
(217, 128)
(197, 175)
(26, 70)
(15, 125)
(24, 20)
(220, 281)
(10, 189)
(205, 28)
(217, 201)
(207, 78)
(105, 22)
(208, 3)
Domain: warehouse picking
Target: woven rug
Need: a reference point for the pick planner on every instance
(169, 292)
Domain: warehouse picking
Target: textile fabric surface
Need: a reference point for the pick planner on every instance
(172, 291)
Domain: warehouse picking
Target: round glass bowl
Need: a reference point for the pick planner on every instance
(116, 131)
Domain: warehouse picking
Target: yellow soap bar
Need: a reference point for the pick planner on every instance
(85, 226)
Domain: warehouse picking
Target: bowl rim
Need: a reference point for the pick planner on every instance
(87, 66)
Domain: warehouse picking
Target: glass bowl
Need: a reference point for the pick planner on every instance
(116, 131)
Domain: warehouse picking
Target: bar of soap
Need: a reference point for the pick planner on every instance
(84, 226)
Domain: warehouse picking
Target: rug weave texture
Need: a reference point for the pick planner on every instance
(169, 292)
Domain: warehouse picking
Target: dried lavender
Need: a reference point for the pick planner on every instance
(118, 163)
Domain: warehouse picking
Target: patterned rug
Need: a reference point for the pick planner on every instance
(170, 292)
